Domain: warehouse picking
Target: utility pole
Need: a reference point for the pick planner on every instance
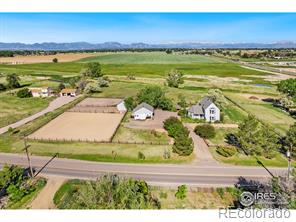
(28, 157)
(289, 161)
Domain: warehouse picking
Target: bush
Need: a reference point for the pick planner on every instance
(55, 60)
(181, 192)
(2, 87)
(205, 131)
(24, 93)
(141, 156)
(221, 192)
(226, 151)
(129, 103)
(183, 145)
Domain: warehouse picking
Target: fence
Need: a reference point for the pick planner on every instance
(94, 141)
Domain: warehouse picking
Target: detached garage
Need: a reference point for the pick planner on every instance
(143, 111)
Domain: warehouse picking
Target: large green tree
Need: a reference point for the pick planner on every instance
(13, 81)
(288, 87)
(93, 70)
(154, 96)
(290, 141)
(174, 78)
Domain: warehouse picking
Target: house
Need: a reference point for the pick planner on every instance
(121, 107)
(143, 111)
(69, 92)
(41, 92)
(205, 109)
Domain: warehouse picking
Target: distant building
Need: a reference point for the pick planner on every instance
(121, 107)
(69, 92)
(143, 111)
(41, 92)
(205, 109)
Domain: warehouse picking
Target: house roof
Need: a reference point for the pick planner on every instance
(67, 90)
(201, 106)
(38, 90)
(143, 105)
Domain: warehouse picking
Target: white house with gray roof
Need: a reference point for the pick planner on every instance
(143, 111)
(205, 109)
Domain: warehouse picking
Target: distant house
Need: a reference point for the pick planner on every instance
(69, 92)
(143, 111)
(121, 107)
(41, 92)
(205, 109)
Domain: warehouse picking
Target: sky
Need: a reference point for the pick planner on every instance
(147, 27)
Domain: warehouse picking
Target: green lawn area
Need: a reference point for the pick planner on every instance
(128, 135)
(243, 160)
(149, 58)
(264, 111)
(219, 138)
(13, 108)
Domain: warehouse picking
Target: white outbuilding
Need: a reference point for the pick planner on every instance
(121, 107)
(143, 111)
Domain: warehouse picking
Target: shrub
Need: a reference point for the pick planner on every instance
(226, 151)
(220, 191)
(183, 145)
(205, 131)
(24, 93)
(55, 60)
(141, 156)
(129, 103)
(181, 192)
(173, 125)
(2, 87)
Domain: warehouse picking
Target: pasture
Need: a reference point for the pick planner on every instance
(80, 126)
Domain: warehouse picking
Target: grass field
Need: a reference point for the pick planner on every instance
(264, 111)
(149, 58)
(219, 138)
(128, 135)
(13, 108)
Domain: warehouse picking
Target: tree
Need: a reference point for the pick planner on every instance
(130, 103)
(103, 82)
(182, 102)
(205, 131)
(181, 192)
(12, 81)
(73, 81)
(92, 88)
(2, 87)
(112, 192)
(55, 60)
(183, 145)
(286, 102)
(24, 93)
(288, 87)
(174, 78)
(169, 51)
(61, 86)
(290, 140)
(217, 97)
(92, 70)
(154, 96)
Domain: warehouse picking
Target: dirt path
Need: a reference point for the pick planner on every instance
(44, 200)
(201, 150)
(55, 104)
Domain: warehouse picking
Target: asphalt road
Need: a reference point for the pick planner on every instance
(160, 174)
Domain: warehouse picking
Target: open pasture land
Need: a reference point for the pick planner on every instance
(62, 57)
(80, 126)
(264, 111)
(149, 58)
(13, 108)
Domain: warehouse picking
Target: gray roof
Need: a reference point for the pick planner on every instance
(201, 106)
(143, 105)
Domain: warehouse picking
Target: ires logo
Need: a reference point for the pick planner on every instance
(247, 198)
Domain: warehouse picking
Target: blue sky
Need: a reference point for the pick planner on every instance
(147, 27)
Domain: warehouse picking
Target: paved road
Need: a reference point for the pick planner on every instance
(157, 174)
(55, 104)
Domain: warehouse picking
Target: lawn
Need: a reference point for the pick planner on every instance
(13, 108)
(263, 111)
(219, 138)
(128, 135)
(243, 160)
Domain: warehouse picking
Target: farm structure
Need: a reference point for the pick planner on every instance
(69, 92)
(82, 124)
(41, 92)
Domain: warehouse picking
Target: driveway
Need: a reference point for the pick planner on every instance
(151, 124)
(55, 104)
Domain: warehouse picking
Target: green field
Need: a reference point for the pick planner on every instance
(13, 108)
(149, 58)
(219, 138)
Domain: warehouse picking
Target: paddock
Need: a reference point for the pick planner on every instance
(78, 126)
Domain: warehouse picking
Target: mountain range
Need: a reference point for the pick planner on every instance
(117, 45)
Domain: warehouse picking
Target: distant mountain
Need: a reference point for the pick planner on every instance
(140, 45)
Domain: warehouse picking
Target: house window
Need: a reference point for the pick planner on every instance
(212, 111)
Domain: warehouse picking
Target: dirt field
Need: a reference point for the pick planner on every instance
(62, 57)
(99, 102)
(156, 123)
(80, 126)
